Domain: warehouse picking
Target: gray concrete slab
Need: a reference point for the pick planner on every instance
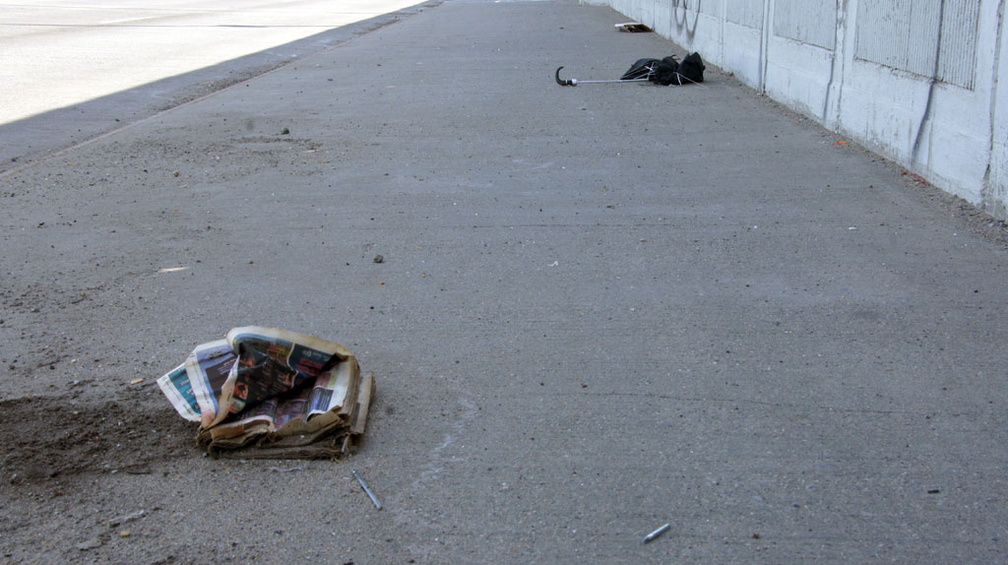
(601, 309)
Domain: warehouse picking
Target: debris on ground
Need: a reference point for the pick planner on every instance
(367, 489)
(633, 27)
(666, 72)
(268, 393)
(653, 535)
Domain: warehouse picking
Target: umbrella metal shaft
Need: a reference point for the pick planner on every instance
(575, 82)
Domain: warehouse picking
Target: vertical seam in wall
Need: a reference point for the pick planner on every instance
(845, 51)
(985, 187)
(837, 37)
(932, 86)
(764, 45)
(671, 18)
(721, 37)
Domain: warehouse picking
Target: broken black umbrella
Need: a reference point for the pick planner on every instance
(665, 71)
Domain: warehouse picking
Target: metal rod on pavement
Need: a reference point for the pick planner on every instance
(575, 82)
(650, 537)
(367, 489)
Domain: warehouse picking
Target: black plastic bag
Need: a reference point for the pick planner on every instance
(692, 68)
(670, 71)
(666, 71)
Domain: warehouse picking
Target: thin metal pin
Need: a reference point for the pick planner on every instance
(366, 488)
(657, 533)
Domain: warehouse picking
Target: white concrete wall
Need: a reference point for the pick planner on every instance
(914, 80)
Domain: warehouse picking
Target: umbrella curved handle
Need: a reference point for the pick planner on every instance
(568, 82)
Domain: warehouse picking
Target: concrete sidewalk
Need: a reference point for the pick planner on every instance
(601, 309)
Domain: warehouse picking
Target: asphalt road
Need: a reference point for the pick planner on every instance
(70, 70)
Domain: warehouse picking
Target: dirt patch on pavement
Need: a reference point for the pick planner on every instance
(48, 438)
